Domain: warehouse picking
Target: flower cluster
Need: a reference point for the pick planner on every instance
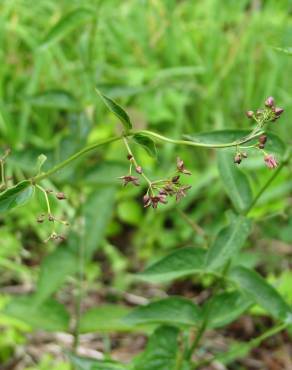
(158, 191)
(270, 113)
(49, 216)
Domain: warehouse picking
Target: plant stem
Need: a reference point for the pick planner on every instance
(149, 182)
(79, 288)
(73, 157)
(244, 140)
(89, 148)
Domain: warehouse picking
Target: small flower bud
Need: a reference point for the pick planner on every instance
(41, 219)
(237, 158)
(263, 139)
(129, 157)
(51, 218)
(139, 170)
(60, 196)
(278, 111)
(270, 102)
(175, 179)
(261, 146)
(146, 200)
(249, 114)
(244, 155)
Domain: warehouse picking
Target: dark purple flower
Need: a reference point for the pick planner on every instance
(182, 192)
(130, 179)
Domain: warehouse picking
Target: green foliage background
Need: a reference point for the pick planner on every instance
(178, 67)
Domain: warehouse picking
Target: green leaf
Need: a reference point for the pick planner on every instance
(161, 351)
(16, 196)
(228, 242)
(50, 315)
(235, 182)
(147, 143)
(54, 99)
(106, 318)
(84, 363)
(261, 292)
(66, 24)
(176, 311)
(97, 212)
(55, 269)
(117, 110)
(182, 262)
(224, 308)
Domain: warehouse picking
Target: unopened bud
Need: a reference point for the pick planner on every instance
(51, 218)
(60, 196)
(244, 155)
(249, 114)
(263, 139)
(175, 179)
(237, 158)
(270, 102)
(261, 146)
(139, 170)
(279, 111)
(41, 219)
(129, 157)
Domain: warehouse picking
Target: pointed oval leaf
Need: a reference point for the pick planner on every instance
(228, 242)
(263, 293)
(235, 182)
(50, 316)
(182, 262)
(161, 351)
(66, 24)
(106, 318)
(84, 363)
(117, 110)
(226, 307)
(15, 196)
(176, 311)
(147, 143)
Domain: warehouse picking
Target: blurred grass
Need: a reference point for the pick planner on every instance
(179, 67)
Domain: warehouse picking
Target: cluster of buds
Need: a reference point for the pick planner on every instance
(269, 114)
(171, 187)
(50, 217)
(262, 116)
(159, 191)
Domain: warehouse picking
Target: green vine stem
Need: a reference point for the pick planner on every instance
(159, 137)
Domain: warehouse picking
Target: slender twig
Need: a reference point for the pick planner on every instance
(79, 289)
